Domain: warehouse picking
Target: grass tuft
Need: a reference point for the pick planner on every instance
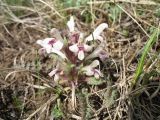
(146, 49)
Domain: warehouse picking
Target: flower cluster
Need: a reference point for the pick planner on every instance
(78, 55)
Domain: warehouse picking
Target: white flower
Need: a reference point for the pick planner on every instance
(80, 49)
(91, 70)
(51, 45)
(98, 52)
(95, 53)
(96, 34)
(71, 24)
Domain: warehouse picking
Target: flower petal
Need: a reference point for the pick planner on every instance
(96, 75)
(87, 48)
(81, 36)
(88, 71)
(71, 24)
(94, 64)
(48, 50)
(94, 37)
(90, 38)
(74, 48)
(100, 38)
(96, 34)
(46, 41)
(53, 72)
(103, 55)
(95, 53)
(45, 45)
(58, 45)
(56, 77)
(100, 29)
(40, 42)
(59, 53)
(81, 55)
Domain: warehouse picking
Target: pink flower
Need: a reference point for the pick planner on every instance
(91, 70)
(98, 52)
(80, 49)
(96, 34)
(52, 45)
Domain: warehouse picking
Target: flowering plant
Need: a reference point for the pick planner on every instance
(79, 57)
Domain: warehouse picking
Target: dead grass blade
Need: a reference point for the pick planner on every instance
(141, 2)
(133, 19)
(47, 4)
(37, 86)
(42, 107)
(13, 72)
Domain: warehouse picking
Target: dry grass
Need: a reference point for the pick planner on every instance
(26, 91)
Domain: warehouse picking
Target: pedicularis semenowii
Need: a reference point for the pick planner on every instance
(79, 56)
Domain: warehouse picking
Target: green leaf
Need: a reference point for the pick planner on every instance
(73, 3)
(57, 112)
(17, 102)
(94, 81)
(114, 13)
(146, 49)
